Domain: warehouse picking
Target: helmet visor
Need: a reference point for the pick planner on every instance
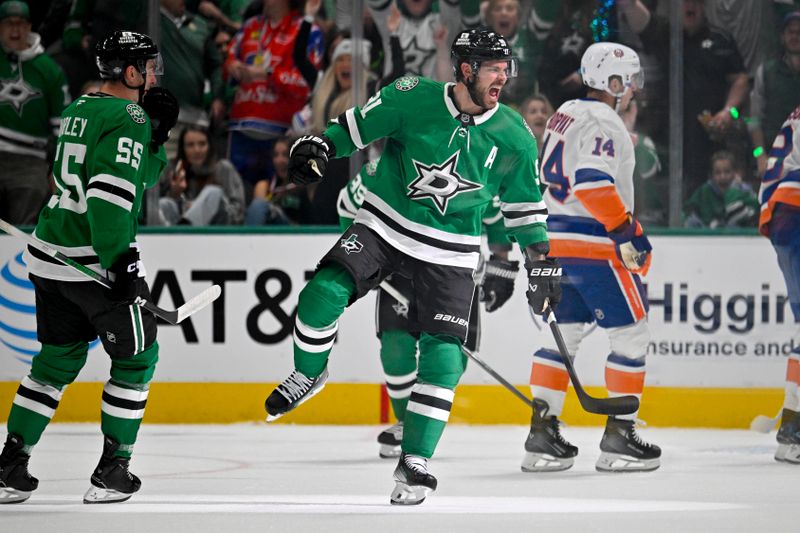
(155, 66)
(637, 80)
(509, 66)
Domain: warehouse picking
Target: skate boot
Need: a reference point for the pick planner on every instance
(623, 450)
(390, 439)
(545, 449)
(294, 390)
(111, 480)
(789, 438)
(412, 480)
(16, 483)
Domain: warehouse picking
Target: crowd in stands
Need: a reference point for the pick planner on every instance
(252, 75)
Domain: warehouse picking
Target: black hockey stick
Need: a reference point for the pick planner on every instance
(620, 405)
(397, 295)
(173, 317)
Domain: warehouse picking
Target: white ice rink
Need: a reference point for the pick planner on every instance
(329, 478)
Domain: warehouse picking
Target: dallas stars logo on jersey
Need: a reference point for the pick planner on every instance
(440, 183)
(17, 93)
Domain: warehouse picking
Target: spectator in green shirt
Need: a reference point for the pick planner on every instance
(722, 201)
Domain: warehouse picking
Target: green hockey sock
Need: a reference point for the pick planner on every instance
(399, 361)
(321, 303)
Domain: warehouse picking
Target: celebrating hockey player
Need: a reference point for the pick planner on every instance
(109, 150)
(780, 222)
(587, 162)
(398, 340)
(450, 148)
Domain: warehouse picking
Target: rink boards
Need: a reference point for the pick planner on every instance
(720, 323)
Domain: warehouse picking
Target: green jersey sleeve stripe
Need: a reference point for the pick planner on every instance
(523, 206)
(114, 182)
(352, 127)
(525, 221)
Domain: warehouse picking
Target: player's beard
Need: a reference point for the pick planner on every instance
(482, 96)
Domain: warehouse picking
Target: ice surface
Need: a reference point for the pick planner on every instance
(329, 478)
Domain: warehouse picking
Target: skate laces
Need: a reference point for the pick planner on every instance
(396, 430)
(295, 386)
(416, 463)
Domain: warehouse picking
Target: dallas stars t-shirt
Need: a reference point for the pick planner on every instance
(439, 170)
(102, 167)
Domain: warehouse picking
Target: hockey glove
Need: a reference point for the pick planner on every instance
(308, 158)
(633, 247)
(162, 108)
(544, 284)
(498, 282)
(126, 286)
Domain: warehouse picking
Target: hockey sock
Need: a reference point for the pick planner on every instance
(625, 375)
(39, 394)
(441, 364)
(321, 303)
(399, 360)
(791, 399)
(549, 380)
(125, 397)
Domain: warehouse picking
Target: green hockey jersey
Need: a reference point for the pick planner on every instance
(437, 174)
(33, 93)
(102, 167)
(352, 196)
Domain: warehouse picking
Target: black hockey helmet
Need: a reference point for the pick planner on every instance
(477, 46)
(119, 49)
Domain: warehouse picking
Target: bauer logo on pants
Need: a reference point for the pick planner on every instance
(351, 244)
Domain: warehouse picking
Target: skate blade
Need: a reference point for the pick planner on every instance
(9, 495)
(389, 451)
(542, 462)
(101, 495)
(272, 418)
(616, 462)
(788, 453)
(404, 494)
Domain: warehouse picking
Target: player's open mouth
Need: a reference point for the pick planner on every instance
(494, 92)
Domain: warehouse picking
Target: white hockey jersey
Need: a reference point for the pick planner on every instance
(587, 161)
(781, 181)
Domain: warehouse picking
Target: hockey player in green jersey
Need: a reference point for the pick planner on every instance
(398, 340)
(109, 151)
(450, 149)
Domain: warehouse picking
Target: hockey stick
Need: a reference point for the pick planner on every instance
(620, 405)
(765, 424)
(397, 295)
(173, 317)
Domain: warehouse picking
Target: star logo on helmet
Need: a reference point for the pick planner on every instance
(440, 183)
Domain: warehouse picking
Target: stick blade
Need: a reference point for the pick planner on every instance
(198, 302)
(618, 405)
(763, 424)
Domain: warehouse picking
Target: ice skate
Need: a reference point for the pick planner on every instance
(413, 482)
(16, 483)
(111, 480)
(789, 438)
(294, 390)
(624, 451)
(390, 439)
(545, 449)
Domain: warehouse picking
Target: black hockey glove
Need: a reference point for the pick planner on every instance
(544, 283)
(308, 158)
(162, 108)
(126, 285)
(498, 282)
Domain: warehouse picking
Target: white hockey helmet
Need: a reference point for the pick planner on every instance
(612, 68)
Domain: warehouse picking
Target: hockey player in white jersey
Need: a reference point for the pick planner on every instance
(587, 162)
(780, 222)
